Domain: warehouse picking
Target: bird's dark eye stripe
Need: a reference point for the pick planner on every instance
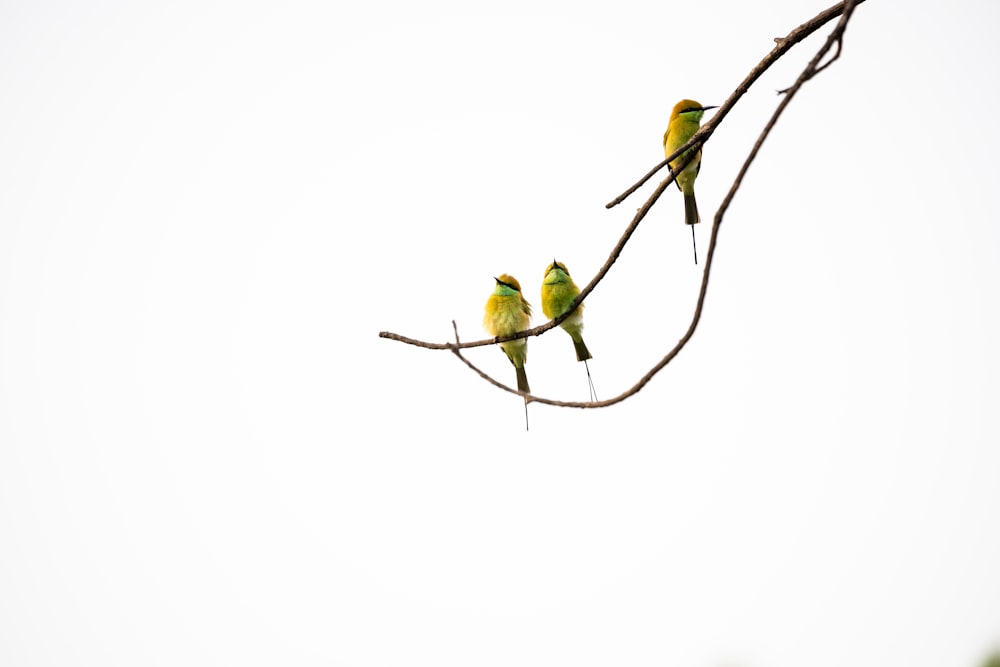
(508, 285)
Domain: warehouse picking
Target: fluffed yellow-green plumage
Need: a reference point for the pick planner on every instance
(558, 292)
(685, 119)
(507, 312)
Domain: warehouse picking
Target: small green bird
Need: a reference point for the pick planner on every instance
(558, 292)
(685, 119)
(507, 312)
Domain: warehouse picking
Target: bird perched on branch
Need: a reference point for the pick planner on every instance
(507, 312)
(685, 119)
(558, 292)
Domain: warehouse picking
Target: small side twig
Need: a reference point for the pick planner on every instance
(456, 349)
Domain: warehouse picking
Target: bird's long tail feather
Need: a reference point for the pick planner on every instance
(522, 380)
(590, 382)
(692, 218)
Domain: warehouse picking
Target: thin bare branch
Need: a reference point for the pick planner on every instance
(844, 10)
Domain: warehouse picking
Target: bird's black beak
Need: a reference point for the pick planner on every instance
(496, 279)
(707, 108)
(554, 264)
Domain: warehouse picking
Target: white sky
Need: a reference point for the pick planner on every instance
(207, 456)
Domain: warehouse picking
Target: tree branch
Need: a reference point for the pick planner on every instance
(842, 9)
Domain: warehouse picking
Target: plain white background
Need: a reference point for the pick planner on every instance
(209, 210)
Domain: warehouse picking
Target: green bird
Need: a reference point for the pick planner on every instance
(558, 292)
(507, 312)
(685, 119)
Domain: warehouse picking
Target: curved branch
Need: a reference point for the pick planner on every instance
(844, 9)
